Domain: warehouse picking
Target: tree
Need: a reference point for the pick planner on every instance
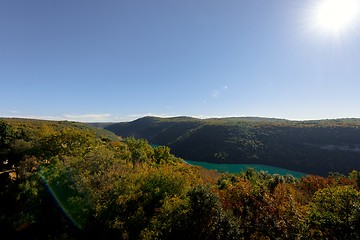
(355, 175)
(162, 155)
(335, 213)
(140, 150)
(67, 142)
(7, 137)
(207, 219)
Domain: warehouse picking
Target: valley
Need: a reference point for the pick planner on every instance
(312, 147)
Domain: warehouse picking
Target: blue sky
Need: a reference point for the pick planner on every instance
(117, 60)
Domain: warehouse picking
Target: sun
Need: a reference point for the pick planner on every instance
(336, 16)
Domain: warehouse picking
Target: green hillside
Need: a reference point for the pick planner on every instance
(34, 126)
(315, 147)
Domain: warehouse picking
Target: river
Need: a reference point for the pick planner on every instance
(236, 168)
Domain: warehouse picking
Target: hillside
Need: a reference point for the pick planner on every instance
(315, 147)
(34, 126)
(62, 180)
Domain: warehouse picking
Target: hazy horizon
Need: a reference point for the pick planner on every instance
(133, 118)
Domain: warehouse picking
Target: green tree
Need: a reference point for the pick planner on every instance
(162, 155)
(140, 150)
(206, 218)
(67, 142)
(334, 213)
(355, 175)
(7, 137)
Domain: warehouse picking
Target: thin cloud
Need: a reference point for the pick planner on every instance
(9, 111)
(140, 115)
(69, 117)
(40, 117)
(88, 117)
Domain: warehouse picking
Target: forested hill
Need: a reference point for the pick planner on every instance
(63, 180)
(34, 127)
(316, 147)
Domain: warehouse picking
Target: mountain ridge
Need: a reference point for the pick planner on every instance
(310, 146)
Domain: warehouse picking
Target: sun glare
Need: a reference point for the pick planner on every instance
(335, 16)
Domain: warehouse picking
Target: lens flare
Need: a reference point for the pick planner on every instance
(336, 15)
(61, 200)
(330, 22)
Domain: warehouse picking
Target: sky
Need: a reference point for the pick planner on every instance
(118, 60)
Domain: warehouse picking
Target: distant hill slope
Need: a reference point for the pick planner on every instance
(315, 147)
(36, 125)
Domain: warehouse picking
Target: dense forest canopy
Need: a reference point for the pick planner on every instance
(314, 147)
(63, 180)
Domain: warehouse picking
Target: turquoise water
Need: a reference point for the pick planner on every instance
(236, 168)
